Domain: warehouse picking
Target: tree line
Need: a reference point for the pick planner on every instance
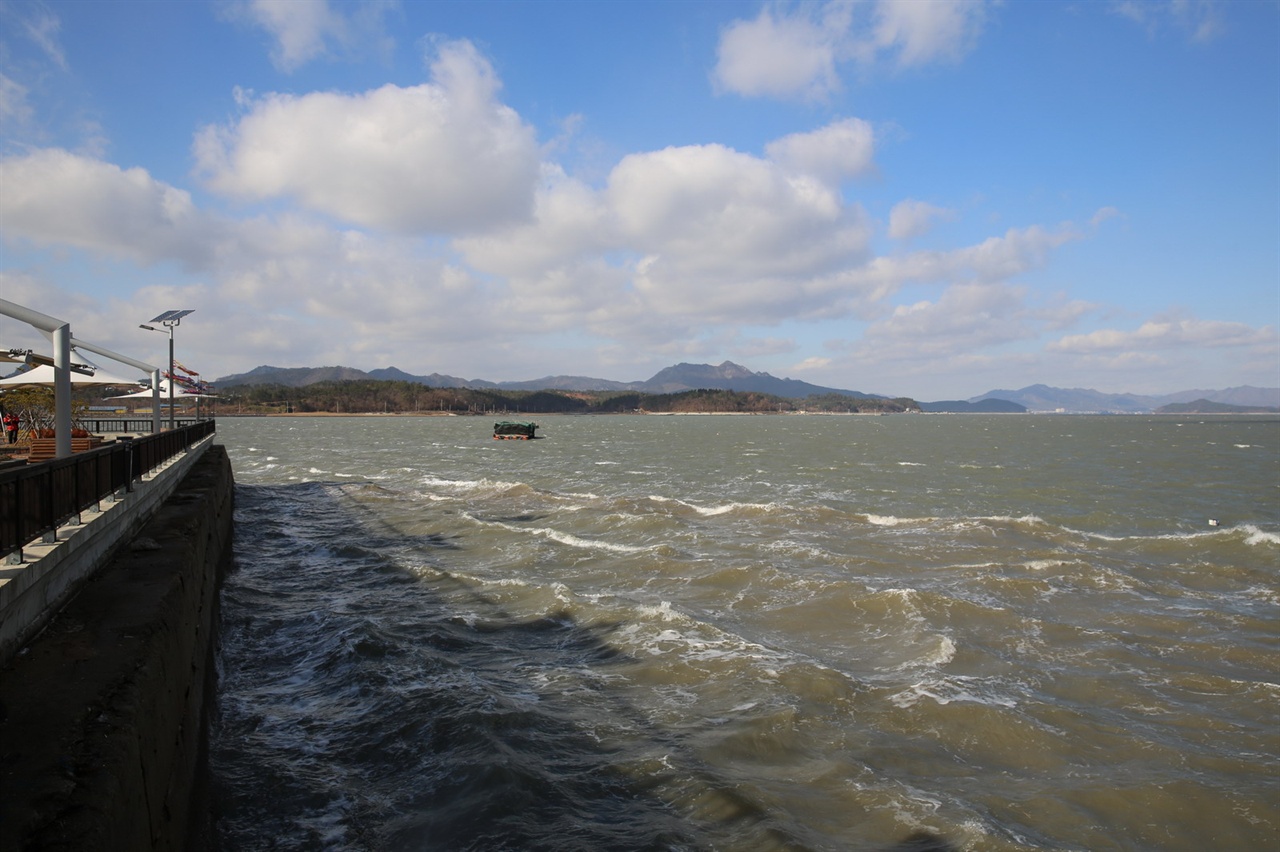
(400, 397)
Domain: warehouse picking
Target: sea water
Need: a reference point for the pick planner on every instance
(751, 633)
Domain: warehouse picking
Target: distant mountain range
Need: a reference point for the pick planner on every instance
(731, 376)
(1045, 398)
(681, 377)
(982, 406)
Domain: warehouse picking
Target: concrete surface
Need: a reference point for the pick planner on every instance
(103, 716)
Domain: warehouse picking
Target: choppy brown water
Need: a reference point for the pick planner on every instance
(777, 632)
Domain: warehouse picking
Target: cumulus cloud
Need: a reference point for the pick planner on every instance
(724, 233)
(840, 150)
(995, 259)
(1166, 334)
(55, 197)
(303, 30)
(670, 254)
(920, 33)
(677, 240)
(913, 218)
(796, 52)
(779, 55)
(964, 319)
(442, 157)
(569, 220)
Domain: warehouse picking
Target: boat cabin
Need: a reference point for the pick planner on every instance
(510, 430)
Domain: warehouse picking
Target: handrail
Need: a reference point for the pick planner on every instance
(114, 423)
(38, 498)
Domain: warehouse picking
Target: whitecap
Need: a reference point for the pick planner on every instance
(1256, 536)
(891, 520)
(1045, 564)
(712, 511)
(948, 691)
(664, 611)
(943, 654)
(575, 541)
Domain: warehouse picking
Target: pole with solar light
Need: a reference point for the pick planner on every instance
(170, 320)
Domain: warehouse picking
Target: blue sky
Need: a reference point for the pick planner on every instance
(927, 199)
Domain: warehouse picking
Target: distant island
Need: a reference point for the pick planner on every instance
(682, 387)
(1204, 406)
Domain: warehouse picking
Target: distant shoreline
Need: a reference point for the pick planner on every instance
(757, 414)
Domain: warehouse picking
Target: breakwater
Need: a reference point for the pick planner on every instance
(102, 716)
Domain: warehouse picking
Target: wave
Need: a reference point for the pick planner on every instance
(722, 509)
(892, 521)
(562, 537)
(1251, 535)
(953, 690)
(495, 485)
(1255, 537)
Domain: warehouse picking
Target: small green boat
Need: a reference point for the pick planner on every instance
(512, 430)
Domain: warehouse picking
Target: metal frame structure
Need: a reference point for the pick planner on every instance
(59, 333)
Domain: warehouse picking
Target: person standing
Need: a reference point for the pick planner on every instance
(11, 424)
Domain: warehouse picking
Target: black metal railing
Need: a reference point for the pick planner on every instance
(36, 499)
(115, 425)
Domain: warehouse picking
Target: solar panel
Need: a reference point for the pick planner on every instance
(171, 316)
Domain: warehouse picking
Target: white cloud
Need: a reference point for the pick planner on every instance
(1198, 20)
(913, 218)
(1158, 334)
(840, 150)
(967, 318)
(442, 157)
(679, 247)
(569, 220)
(1103, 214)
(54, 197)
(995, 259)
(41, 26)
(724, 234)
(1001, 258)
(814, 363)
(303, 30)
(796, 51)
(778, 56)
(924, 32)
(14, 109)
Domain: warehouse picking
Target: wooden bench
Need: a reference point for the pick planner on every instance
(44, 449)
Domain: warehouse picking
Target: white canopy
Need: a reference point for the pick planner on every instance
(43, 375)
(178, 393)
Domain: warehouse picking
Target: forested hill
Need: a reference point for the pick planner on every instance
(401, 397)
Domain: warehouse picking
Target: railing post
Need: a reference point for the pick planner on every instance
(128, 465)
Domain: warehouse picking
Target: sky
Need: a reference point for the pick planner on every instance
(914, 198)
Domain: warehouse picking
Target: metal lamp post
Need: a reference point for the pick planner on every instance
(170, 320)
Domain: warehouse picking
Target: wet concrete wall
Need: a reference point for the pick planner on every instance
(103, 716)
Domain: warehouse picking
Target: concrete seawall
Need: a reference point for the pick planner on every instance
(103, 716)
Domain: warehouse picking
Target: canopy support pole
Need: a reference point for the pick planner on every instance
(59, 333)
